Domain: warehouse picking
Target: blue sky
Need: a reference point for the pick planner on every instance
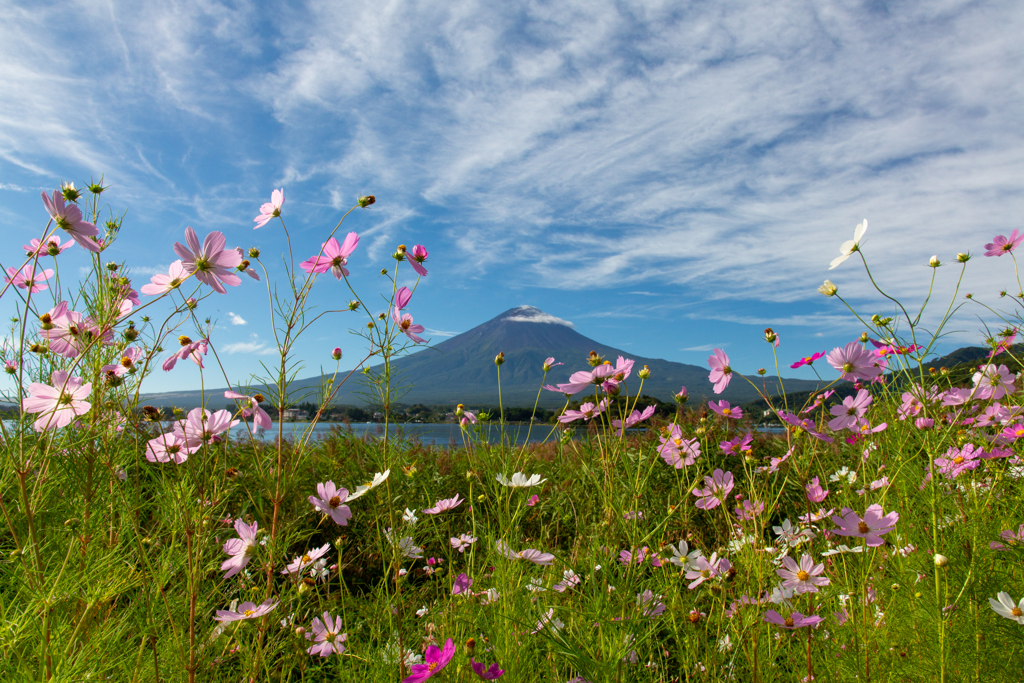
(668, 176)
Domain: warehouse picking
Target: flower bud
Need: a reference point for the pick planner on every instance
(367, 200)
(243, 265)
(828, 289)
(52, 249)
(336, 353)
(459, 410)
(934, 262)
(682, 397)
(254, 252)
(963, 258)
(863, 337)
(382, 316)
(47, 321)
(300, 631)
(940, 560)
(761, 371)
(383, 271)
(131, 334)
(645, 373)
(112, 267)
(353, 305)
(369, 325)
(594, 360)
(470, 647)
(769, 335)
(69, 191)
(191, 303)
(968, 296)
(500, 358)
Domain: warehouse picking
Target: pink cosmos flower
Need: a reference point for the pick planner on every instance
(1010, 538)
(161, 284)
(806, 425)
(994, 383)
(240, 549)
(303, 561)
(804, 577)
(487, 674)
(58, 404)
(535, 556)
(68, 218)
(417, 257)
(534, 499)
(815, 493)
(719, 484)
(326, 635)
(51, 246)
(444, 505)
(332, 257)
(721, 372)
(549, 363)
(749, 510)
(1011, 433)
(247, 610)
(739, 445)
(725, 410)
(10, 367)
(587, 412)
(924, 423)
(705, 568)
(28, 278)
(677, 451)
(261, 419)
(854, 362)
(871, 528)
(808, 360)
(330, 502)
(959, 460)
(462, 542)
(271, 209)
(189, 349)
(851, 412)
(129, 359)
(404, 320)
(582, 379)
(203, 427)
(634, 418)
(463, 582)
(68, 332)
(468, 418)
(169, 447)
(1004, 245)
(435, 660)
(211, 263)
(793, 621)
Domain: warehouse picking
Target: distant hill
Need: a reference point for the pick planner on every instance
(462, 370)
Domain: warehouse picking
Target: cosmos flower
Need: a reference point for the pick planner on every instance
(29, 278)
(332, 257)
(240, 549)
(847, 248)
(807, 360)
(59, 403)
(804, 577)
(462, 542)
(519, 480)
(721, 372)
(793, 621)
(261, 418)
(705, 568)
(1004, 245)
(161, 284)
(815, 493)
(719, 484)
(444, 505)
(485, 673)
(851, 412)
(211, 262)
(587, 412)
(993, 383)
(169, 447)
(301, 562)
(51, 246)
(272, 209)
(677, 451)
(375, 481)
(404, 320)
(329, 500)
(326, 636)
(725, 410)
(633, 419)
(854, 362)
(417, 257)
(68, 218)
(1005, 606)
(247, 610)
(871, 527)
(435, 660)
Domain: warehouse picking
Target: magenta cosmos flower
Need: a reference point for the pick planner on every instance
(28, 278)
(68, 332)
(587, 411)
(247, 610)
(806, 425)
(417, 257)
(211, 263)
(703, 569)
(161, 284)
(444, 505)
(739, 445)
(807, 360)
(634, 418)
(815, 493)
(51, 246)
(959, 460)
(854, 362)
(1001, 244)
(435, 659)
(719, 484)
(189, 349)
(271, 209)
(404, 320)
(870, 528)
(332, 257)
(487, 674)
(725, 410)
(58, 404)
(851, 412)
(329, 500)
(327, 636)
(721, 373)
(793, 621)
(240, 549)
(803, 577)
(68, 218)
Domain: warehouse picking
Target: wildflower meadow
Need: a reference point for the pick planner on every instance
(877, 534)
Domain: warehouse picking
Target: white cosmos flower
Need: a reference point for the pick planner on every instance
(520, 480)
(377, 480)
(683, 557)
(847, 248)
(1005, 607)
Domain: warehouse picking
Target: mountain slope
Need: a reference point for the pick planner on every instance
(462, 370)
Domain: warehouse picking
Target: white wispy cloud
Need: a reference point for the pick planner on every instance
(705, 347)
(236, 319)
(254, 347)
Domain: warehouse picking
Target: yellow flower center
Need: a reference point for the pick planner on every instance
(802, 575)
(789, 622)
(1016, 611)
(958, 459)
(335, 501)
(249, 612)
(727, 411)
(863, 527)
